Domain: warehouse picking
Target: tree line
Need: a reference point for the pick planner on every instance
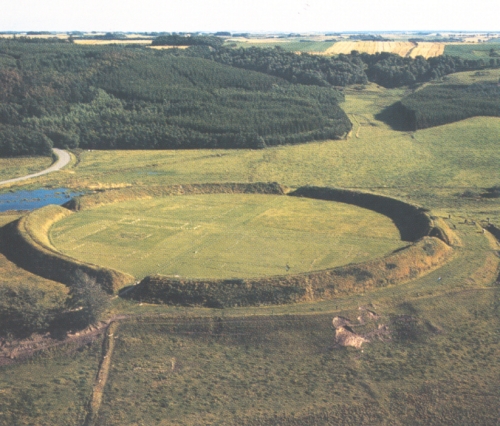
(386, 69)
(441, 104)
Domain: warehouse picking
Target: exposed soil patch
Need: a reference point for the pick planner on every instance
(17, 350)
(373, 325)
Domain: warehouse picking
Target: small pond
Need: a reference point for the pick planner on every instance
(34, 199)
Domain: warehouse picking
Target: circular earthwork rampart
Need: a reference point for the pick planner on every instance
(32, 248)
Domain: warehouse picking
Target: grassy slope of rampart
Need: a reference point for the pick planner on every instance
(411, 220)
(28, 242)
(125, 194)
(411, 262)
(28, 245)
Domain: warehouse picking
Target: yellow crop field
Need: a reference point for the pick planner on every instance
(401, 48)
(118, 41)
(427, 50)
(168, 47)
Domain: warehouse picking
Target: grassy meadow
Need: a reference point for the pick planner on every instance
(472, 50)
(265, 370)
(374, 156)
(49, 389)
(225, 236)
(15, 167)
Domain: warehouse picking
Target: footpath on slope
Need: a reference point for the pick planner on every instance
(63, 158)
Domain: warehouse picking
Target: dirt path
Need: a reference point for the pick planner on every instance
(63, 158)
(102, 375)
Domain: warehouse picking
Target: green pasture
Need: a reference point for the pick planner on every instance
(472, 51)
(224, 236)
(14, 167)
(471, 77)
(291, 46)
(374, 156)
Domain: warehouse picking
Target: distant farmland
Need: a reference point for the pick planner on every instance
(113, 41)
(402, 48)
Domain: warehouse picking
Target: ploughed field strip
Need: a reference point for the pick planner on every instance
(224, 236)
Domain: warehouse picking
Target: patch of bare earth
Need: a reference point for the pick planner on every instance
(17, 350)
(345, 335)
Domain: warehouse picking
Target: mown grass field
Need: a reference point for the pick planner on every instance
(225, 236)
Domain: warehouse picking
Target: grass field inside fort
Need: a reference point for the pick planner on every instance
(224, 236)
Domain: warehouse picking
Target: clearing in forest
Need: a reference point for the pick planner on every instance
(225, 236)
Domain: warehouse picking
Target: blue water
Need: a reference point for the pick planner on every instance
(30, 200)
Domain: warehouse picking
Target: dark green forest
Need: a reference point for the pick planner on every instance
(130, 97)
(105, 97)
(178, 40)
(441, 104)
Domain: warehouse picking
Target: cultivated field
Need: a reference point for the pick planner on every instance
(117, 41)
(225, 236)
(427, 50)
(168, 47)
(401, 48)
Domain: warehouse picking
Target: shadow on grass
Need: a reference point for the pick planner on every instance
(394, 116)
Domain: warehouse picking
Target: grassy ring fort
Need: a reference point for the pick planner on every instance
(430, 245)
